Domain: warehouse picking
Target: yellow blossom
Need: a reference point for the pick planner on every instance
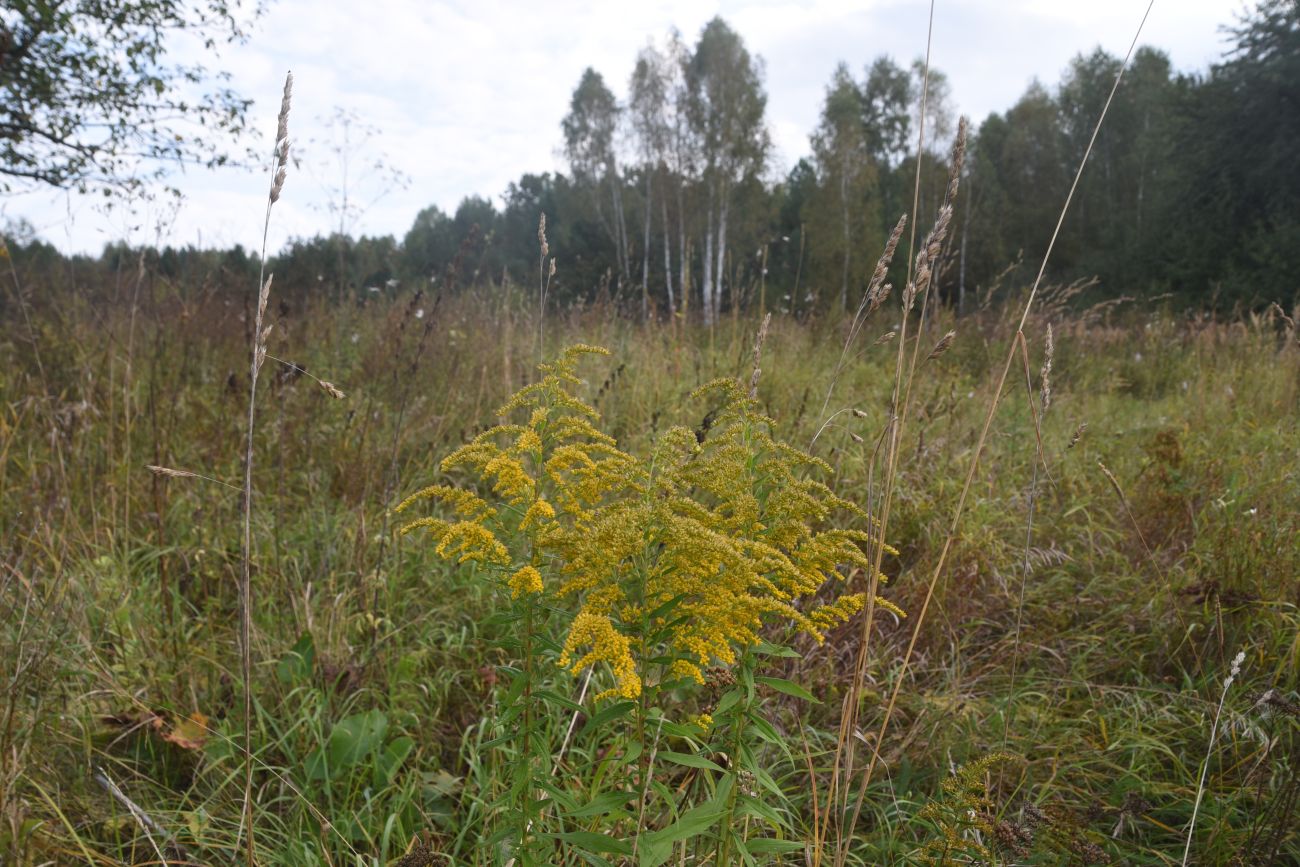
(608, 646)
(526, 580)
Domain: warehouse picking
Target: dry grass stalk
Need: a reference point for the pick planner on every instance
(1209, 750)
(960, 507)
(298, 370)
(544, 277)
(331, 389)
(758, 356)
(877, 292)
(919, 280)
(942, 346)
(170, 473)
(260, 334)
(846, 745)
(1045, 377)
(1078, 435)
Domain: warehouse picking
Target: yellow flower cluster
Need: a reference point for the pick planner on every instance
(607, 645)
(526, 580)
(682, 556)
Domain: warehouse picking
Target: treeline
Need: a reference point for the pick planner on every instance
(669, 206)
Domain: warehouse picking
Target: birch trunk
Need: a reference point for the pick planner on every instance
(668, 260)
(645, 252)
(722, 255)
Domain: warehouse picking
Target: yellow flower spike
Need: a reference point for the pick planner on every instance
(539, 512)
(512, 480)
(608, 646)
(529, 442)
(467, 540)
(526, 580)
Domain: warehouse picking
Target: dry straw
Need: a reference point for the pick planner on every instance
(1045, 377)
(960, 508)
(1078, 435)
(1209, 750)
(261, 332)
(942, 346)
(170, 473)
(758, 356)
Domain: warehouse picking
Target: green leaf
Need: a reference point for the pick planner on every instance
(690, 761)
(391, 759)
(601, 805)
(596, 842)
(657, 846)
(767, 733)
(557, 699)
(729, 700)
(759, 810)
(608, 714)
(780, 684)
(351, 740)
(767, 649)
(768, 846)
(296, 665)
(558, 795)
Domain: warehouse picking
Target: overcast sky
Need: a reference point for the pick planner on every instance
(469, 93)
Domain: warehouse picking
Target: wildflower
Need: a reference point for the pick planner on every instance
(681, 556)
(526, 580)
(608, 646)
(470, 540)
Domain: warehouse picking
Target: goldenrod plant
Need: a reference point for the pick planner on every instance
(660, 578)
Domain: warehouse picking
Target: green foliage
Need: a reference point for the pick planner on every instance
(117, 604)
(88, 90)
(963, 814)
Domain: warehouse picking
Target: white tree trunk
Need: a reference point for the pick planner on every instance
(722, 255)
(645, 250)
(844, 213)
(706, 283)
(683, 261)
(668, 260)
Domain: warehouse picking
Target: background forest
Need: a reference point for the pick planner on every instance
(670, 205)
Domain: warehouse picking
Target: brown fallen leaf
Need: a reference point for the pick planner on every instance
(190, 733)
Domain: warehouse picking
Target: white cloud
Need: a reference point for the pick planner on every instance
(470, 94)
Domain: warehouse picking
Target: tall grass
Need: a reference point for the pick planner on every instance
(514, 693)
(1192, 416)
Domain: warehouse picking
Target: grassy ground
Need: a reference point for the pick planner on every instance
(1090, 643)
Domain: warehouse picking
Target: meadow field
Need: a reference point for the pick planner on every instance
(1106, 670)
(816, 543)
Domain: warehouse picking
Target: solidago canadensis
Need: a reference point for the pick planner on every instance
(669, 563)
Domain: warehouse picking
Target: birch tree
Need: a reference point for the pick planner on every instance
(726, 110)
(648, 102)
(843, 161)
(590, 129)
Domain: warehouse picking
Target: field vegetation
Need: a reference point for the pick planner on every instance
(1094, 597)
(489, 562)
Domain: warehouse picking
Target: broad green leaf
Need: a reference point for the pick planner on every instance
(596, 842)
(788, 687)
(351, 740)
(601, 805)
(391, 759)
(690, 761)
(296, 664)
